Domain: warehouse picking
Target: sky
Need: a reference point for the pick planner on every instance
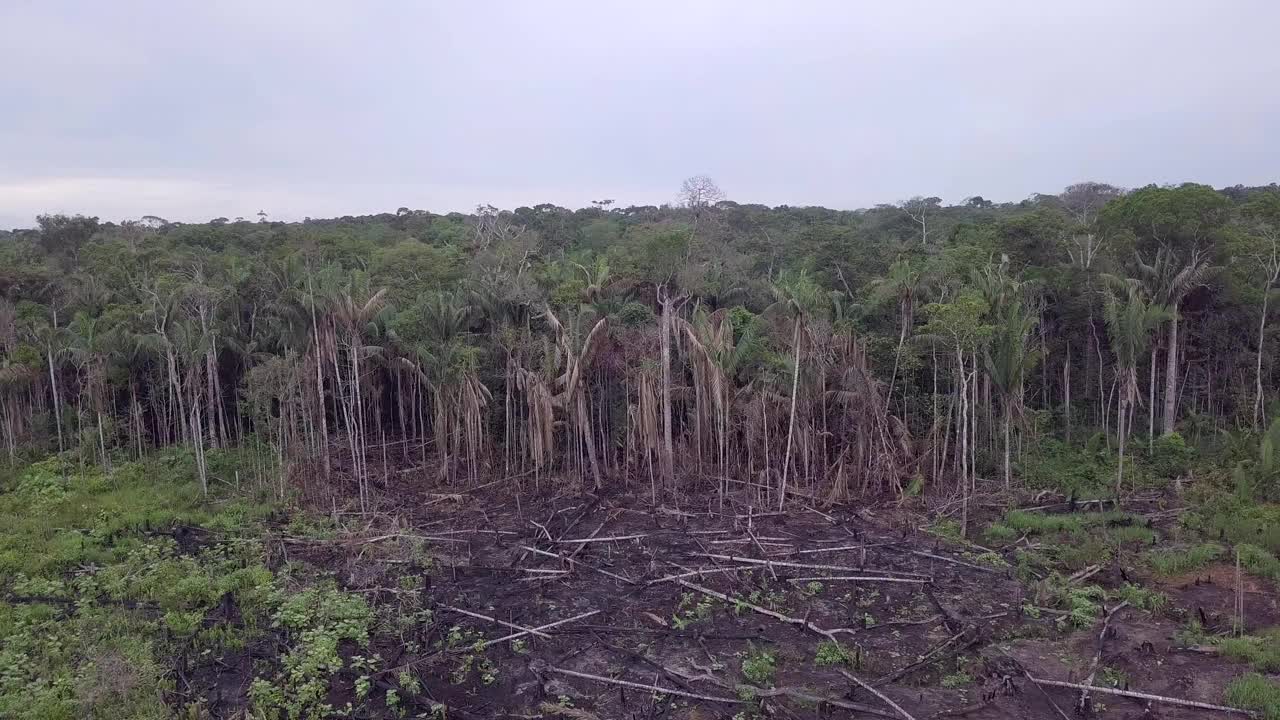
(192, 111)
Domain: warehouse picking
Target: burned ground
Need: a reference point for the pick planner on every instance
(605, 606)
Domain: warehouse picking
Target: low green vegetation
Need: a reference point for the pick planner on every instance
(759, 666)
(1252, 691)
(1176, 561)
(831, 653)
(1262, 651)
(109, 579)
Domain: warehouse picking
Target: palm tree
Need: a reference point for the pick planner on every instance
(1167, 280)
(1009, 358)
(1131, 321)
(903, 284)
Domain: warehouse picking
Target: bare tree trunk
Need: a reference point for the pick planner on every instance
(667, 458)
(1151, 402)
(324, 421)
(1066, 392)
(1121, 430)
(1008, 421)
(1259, 401)
(791, 425)
(1171, 375)
(57, 400)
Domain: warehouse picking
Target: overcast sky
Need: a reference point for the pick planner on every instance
(197, 110)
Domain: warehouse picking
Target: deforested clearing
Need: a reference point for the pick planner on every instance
(699, 460)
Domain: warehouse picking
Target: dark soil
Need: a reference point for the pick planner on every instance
(956, 644)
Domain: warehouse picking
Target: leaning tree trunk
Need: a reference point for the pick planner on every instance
(57, 401)
(1171, 374)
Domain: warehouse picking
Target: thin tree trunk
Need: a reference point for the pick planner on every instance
(324, 421)
(1120, 430)
(1259, 401)
(667, 459)
(1171, 374)
(1008, 421)
(791, 424)
(1151, 402)
(1066, 392)
(57, 400)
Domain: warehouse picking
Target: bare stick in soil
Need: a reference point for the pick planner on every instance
(1082, 706)
(854, 679)
(805, 566)
(576, 563)
(1143, 696)
(828, 634)
(642, 686)
(548, 626)
(496, 621)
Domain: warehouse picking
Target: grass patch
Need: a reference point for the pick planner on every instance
(1140, 597)
(1178, 561)
(1262, 651)
(1254, 692)
(1258, 561)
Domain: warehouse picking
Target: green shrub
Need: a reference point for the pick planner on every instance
(759, 666)
(1075, 471)
(1170, 456)
(833, 653)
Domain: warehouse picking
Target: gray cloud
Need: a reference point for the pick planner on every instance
(316, 108)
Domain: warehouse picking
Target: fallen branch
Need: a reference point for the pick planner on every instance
(854, 679)
(642, 686)
(828, 634)
(793, 693)
(805, 566)
(575, 563)
(869, 578)
(1083, 704)
(1143, 696)
(953, 561)
(1085, 574)
(842, 548)
(496, 621)
(548, 626)
(705, 571)
(925, 659)
(603, 539)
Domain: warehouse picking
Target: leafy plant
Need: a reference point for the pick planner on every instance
(759, 666)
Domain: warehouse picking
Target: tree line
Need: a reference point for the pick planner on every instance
(792, 352)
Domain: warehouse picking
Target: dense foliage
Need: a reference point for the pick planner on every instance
(788, 350)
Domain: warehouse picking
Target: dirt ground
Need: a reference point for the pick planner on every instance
(621, 610)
